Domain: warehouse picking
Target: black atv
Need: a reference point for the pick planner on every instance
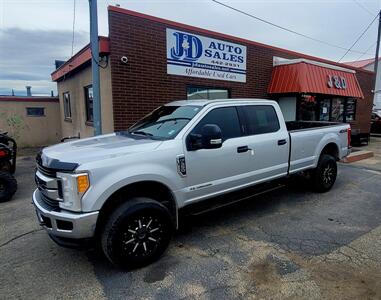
(8, 150)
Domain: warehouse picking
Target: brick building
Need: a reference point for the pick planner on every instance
(167, 60)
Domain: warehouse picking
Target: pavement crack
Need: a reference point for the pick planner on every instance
(19, 236)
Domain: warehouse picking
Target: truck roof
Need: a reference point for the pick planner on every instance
(204, 102)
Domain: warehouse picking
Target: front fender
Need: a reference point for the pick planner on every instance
(108, 182)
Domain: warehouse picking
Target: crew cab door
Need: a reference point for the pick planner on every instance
(213, 171)
(267, 138)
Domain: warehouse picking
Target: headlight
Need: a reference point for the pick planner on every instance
(74, 186)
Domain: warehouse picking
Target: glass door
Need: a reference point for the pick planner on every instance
(337, 110)
(325, 105)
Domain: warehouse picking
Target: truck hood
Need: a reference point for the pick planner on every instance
(96, 148)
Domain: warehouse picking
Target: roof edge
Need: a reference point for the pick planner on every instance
(227, 36)
(311, 62)
(4, 98)
(80, 58)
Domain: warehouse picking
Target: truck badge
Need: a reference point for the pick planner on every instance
(181, 165)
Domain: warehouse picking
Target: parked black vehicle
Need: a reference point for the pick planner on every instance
(376, 122)
(8, 152)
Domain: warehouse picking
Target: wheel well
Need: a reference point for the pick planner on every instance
(331, 149)
(150, 189)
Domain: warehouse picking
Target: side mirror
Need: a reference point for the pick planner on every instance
(210, 138)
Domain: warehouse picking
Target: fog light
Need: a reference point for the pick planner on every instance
(82, 183)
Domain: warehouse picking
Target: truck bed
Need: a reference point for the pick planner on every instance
(302, 125)
(307, 139)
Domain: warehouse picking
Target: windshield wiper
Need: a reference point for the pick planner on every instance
(142, 133)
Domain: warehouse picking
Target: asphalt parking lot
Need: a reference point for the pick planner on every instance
(291, 243)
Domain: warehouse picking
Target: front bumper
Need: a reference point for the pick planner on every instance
(64, 223)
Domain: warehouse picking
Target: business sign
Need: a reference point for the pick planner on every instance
(199, 56)
(337, 82)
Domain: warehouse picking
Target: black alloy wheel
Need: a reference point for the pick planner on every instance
(142, 236)
(324, 176)
(137, 233)
(329, 174)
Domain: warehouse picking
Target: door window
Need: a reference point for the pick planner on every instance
(226, 118)
(337, 110)
(307, 108)
(325, 106)
(350, 110)
(261, 119)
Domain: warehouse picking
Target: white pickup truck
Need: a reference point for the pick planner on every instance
(127, 190)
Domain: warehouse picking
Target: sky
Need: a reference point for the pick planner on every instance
(35, 33)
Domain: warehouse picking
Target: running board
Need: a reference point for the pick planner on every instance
(208, 205)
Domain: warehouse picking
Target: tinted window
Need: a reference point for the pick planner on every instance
(226, 118)
(261, 119)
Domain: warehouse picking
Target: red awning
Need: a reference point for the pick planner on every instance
(307, 77)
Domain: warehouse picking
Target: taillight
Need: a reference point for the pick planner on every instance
(3, 153)
(349, 131)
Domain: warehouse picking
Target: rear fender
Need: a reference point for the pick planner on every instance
(327, 139)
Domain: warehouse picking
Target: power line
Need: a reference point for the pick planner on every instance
(361, 35)
(370, 47)
(364, 7)
(287, 29)
(72, 39)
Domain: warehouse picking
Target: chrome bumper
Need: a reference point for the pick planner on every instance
(64, 223)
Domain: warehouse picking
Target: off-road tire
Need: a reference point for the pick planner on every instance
(5, 166)
(137, 233)
(8, 186)
(324, 176)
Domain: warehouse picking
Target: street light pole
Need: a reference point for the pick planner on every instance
(94, 45)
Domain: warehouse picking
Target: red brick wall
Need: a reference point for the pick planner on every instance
(143, 84)
(364, 106)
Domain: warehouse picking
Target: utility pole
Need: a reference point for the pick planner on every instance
(378, 44)
(94, 45)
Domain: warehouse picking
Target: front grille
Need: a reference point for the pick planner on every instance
(49, 204)
(46, 171)
(49, 172)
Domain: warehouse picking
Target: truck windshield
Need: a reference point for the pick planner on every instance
(164, 122)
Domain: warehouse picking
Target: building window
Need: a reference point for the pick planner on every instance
(337, 109)
(89, 103)
(206, 93)
(67, 106)
(35, 111)
(307, 108)
(350, 110)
